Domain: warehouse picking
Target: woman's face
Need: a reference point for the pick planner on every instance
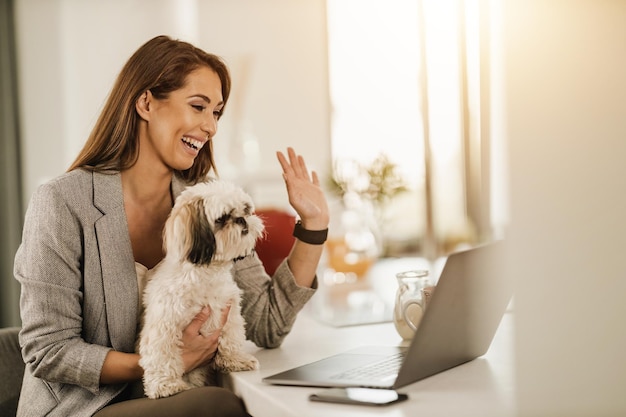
(181, 124)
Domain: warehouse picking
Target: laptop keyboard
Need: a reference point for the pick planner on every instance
(377, 371)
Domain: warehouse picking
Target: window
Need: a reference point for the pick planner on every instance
(407, 81)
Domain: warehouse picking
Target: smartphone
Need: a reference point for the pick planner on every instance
(358, 396)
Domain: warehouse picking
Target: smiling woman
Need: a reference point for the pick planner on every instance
(185, 119)
(140, 87)
(92, 234)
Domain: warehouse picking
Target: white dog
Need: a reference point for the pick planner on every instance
(211, 225)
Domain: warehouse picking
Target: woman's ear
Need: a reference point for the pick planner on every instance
(143, 105)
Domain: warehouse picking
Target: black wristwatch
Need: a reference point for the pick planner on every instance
(312, 237)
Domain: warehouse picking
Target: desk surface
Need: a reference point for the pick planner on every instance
(483, 387)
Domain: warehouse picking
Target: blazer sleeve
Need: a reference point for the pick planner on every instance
(269, 304)
(48, 265)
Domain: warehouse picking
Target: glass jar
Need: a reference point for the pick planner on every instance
(410, 301)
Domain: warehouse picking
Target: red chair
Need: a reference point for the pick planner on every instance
(276, 244)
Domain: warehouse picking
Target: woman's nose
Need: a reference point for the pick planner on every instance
(209, 126)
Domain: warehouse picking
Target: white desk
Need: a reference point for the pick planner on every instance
(483, 387)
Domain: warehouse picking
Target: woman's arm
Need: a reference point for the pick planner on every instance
(307, 198)
(270, 305)
(197, 350)
(120, 367)
(48, 265)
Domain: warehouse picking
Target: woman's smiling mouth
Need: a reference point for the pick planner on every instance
(193, 143)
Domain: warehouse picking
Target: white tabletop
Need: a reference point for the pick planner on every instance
(483, 387)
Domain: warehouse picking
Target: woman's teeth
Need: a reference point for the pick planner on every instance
(195, 144)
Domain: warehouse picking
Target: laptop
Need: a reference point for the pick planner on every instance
(461, 320)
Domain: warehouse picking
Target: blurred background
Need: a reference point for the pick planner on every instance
(435, 125)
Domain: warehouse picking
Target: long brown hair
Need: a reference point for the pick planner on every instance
(161, 65)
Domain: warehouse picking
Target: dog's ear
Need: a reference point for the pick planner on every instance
(202, 240)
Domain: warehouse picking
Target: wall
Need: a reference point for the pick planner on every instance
(70, 52)
(564, 66)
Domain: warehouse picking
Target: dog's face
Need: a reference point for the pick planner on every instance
(212, 222)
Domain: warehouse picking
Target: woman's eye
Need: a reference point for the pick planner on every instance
(217, 113)
(198, 107)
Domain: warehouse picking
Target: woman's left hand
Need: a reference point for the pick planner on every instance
(305, 194)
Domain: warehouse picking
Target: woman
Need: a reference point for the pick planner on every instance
(90, 234)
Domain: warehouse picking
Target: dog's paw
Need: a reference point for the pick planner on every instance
(240, 361)
(165, 389)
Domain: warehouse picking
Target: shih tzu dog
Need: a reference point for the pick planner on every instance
(211, 225)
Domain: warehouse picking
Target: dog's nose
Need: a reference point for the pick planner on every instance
(242, 222)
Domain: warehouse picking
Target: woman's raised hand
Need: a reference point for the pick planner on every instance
(304, 191)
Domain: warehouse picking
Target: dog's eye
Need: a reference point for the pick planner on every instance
(222, 220)
(247, 210)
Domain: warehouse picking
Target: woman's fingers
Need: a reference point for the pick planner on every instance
(315, 178)
(293, 164)
(198, 321)
(284, 163)
(199, 349)
(295, 161)
(193, 329)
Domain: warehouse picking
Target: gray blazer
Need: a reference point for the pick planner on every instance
(79, 294)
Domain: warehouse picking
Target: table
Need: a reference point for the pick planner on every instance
(483, 387)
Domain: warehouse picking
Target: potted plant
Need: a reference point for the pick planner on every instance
(364, 190)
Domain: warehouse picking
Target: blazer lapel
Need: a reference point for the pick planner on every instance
(117, 262)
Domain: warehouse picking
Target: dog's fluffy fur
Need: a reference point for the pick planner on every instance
(210, 226)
